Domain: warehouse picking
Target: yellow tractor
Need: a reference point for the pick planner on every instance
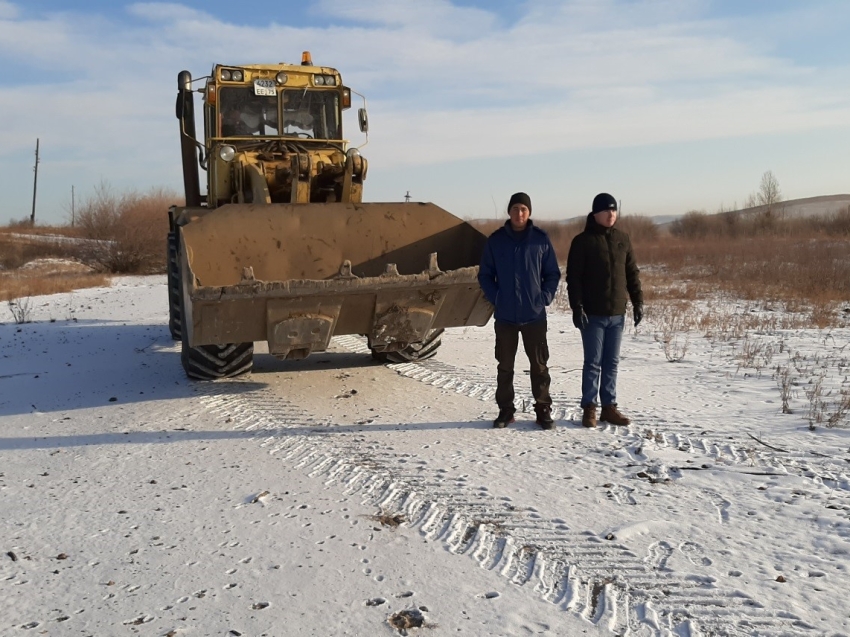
(281, 247)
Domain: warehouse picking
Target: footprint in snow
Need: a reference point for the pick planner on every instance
(658, 554)
(695, 553)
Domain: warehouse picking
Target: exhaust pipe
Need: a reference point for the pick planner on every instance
(188, 144)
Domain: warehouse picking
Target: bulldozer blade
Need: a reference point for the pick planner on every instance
(296, 275)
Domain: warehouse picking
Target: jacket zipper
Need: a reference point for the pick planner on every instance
(611, 262)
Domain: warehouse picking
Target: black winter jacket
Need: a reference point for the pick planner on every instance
(601, 271)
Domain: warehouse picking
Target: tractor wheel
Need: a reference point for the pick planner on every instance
(412, 353)
(175, 312)
(210, 362)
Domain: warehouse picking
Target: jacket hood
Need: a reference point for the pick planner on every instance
(592, 226)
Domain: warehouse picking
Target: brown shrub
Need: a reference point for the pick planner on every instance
(126, 232)
(641, 229)
(22, 229)
(837, 224)
(20, 224)
(15, 251)
(692, 225)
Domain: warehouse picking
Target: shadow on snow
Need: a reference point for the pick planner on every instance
(70, 365)
(180, 435)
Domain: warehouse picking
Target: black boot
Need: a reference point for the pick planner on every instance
(544, 416)
(505, 417)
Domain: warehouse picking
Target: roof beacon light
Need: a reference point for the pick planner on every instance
(306, 59)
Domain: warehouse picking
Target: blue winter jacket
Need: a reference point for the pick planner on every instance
(519, 273)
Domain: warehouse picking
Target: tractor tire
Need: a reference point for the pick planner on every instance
(413, 353)
(211, 362)
(205, 362)
(175, 311)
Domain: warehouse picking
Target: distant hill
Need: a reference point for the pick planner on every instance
(806, 207)
(661, 220)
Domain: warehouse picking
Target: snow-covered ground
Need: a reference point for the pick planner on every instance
(327, 496)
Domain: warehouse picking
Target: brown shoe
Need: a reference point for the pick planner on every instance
(588, 419)
(612, 415)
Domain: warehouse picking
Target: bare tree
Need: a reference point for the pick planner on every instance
(769, 193)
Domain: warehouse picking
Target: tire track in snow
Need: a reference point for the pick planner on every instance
(599, 579)
(718, 446)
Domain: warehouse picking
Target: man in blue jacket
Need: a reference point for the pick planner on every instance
(519, 275)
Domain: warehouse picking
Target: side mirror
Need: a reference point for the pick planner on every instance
(363, 120)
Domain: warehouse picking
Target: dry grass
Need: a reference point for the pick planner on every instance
(814, 269)
(18, 248)
(25, 228)
(388, 519)
(114, 234)
(30, 267)
(17, 287)
(803, 264)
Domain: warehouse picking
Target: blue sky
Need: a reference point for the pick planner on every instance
(670, 105)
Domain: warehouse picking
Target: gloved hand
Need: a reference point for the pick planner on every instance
(579, 318)
(638, 313)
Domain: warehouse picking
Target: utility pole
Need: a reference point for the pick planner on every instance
(34, 183)
(407, 197)
(72, 206)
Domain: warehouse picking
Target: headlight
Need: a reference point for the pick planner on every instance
(227, 153)
(281, 78)
(237, 76)
(330, 80)
(352, 152)
(225, 75)
(319, 80)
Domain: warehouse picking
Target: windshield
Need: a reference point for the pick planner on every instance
(243, 113)
(307, 113)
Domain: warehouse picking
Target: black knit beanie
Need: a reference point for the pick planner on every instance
(520, 197)
(604, 201)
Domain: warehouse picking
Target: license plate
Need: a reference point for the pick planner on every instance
(265, 87)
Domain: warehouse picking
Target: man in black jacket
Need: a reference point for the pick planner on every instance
(601, 277)
(519, 275)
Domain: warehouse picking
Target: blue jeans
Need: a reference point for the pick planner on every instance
(601, 340)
